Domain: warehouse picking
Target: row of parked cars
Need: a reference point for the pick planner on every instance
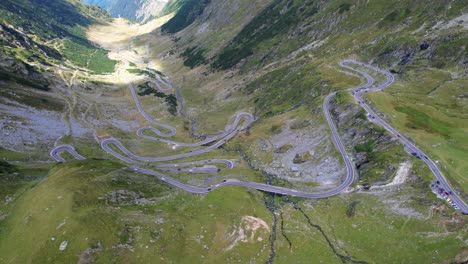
(446, 195)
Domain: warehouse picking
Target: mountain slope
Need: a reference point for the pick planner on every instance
(135, 10)
(52, 31)
(275, 59)
(41, 42)
(273, 51)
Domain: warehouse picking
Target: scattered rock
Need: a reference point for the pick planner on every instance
(63, 245)
(299, 125)
(125, 197)
(424, 46)
(462, 257)
(294, 169)
(302, 157)
(249, 228)
(87, 256)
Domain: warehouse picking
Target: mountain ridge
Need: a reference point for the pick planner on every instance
(135, 10)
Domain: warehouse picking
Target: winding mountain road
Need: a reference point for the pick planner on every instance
(231, 130)
(55, 153)
(409, 146)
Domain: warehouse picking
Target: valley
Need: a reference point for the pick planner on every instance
(223, 138)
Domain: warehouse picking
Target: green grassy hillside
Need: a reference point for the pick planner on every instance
(147, 222)
(276, 59)
(54, 31)
(186, 15)
(283, 48)
(385, 31)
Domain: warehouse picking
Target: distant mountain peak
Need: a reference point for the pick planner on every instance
(136, 10)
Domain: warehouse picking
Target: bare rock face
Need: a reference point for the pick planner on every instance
(20, 72)
(302, 155)
(89, 255)
(367, 141)
(16, 38)
(123, 196)
(139, 10)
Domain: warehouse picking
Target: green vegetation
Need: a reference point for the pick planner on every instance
(367, 147)
(173, 6)
(9, 76)
(6, 167)
(285, 88)
(145, 72)
(15, 178)
(351, 210)
(426, 104)
(189, 10)
(344, 7)
(78, 203)
(86, 56)
(302, 157)
(171, 100)
(276, 128)
(300, 124)
(420, 120)
(273, 22)
(395, 17)
(51, 19)
(283, 149)
(193, 57)
(384, 237)
(63, 21)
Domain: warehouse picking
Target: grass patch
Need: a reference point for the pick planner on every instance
(193, 57)
(420, 120)
(283, 149)
(73, 205)
(367, 147)
(268, 26)
(146, 72)
(344, 7)
(171, 100)
(86, 56)
(185, 16)
(285, 88)
(302, 157)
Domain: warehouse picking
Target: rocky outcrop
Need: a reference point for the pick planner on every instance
(371, 145)
(136, 10)
(22, 73)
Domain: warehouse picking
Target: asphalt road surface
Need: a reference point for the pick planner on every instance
(191, 167)
(409, 146)
(55, 153)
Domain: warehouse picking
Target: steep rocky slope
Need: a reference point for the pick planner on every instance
(136, 10)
